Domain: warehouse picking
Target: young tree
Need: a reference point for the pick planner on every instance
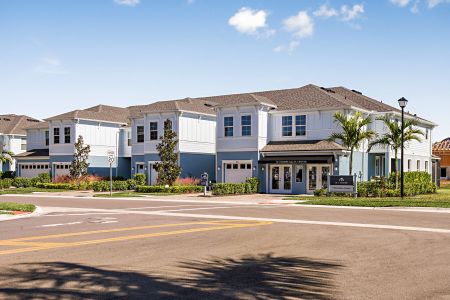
(168, 169)
(393, 138)
(5, 156)
(79, 165)
(353, 133)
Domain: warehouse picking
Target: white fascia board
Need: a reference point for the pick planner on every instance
(301, 153)
(407, 116)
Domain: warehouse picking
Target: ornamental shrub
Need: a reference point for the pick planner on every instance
(5, 183)
(176, 189)
(140, 179)
(44, 177)
(254, 183)
(22, 182)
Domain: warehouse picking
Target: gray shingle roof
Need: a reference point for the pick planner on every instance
(310, 145)
(16, 124)
(99, 113)
(40, 125)
(33, 153)
(198, 105)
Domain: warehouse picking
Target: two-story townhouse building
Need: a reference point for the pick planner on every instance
(281, 137)
(13, 136)
(104, 128)
(193, 121)
(35, 160)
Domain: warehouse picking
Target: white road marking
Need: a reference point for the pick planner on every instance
(60, 224)
(309, 222)
(256, 203)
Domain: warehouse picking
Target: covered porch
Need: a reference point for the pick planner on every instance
(299, 167)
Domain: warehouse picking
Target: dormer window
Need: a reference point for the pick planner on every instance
(286, 125)
(228, 124)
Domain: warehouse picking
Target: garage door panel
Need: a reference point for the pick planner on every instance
(32, 170)
(237, 172)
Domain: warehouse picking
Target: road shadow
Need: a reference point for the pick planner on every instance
(250, 277)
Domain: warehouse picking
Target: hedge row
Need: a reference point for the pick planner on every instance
(178, 189)
(57, 186)
(22, 182)
(250, 186)
(415, 183)
(117, 185)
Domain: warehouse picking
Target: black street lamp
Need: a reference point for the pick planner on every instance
(402, 102)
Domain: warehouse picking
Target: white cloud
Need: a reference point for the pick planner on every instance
(415, 8)
(302, 25)
(190, 1)
(289, 48)
(401, 3)
(50, 65)
(325, 12)
(433, 3)
(349, 14)
(249, 21)
(128, 2)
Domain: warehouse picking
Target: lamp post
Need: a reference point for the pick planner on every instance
(402, 102)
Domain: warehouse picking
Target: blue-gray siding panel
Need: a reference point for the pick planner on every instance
(193, 165)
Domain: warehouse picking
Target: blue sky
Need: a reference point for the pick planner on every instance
(61, 55)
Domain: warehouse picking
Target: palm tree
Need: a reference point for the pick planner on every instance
(353, 132)
(393, 138)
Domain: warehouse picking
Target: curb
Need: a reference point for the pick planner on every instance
(35, 213)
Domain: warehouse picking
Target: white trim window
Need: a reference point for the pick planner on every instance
(409, 165)
(300, 125)
(418, 165)
(23, 144)
(228, 126)
(246, 125)
(129, 138)
(66, 135)
(47, 137)
(286, 125)
(153, 131)
(426, 166)
(140, 134)
(56, 135)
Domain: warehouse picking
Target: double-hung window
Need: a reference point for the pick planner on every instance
(246, 124)
(23, 144)
(66, 135)
(140, 134)
(228, 126)
(286, 125)
(153, 131)
(300, 125)
(47, 138)
(418, 165)
(55, 135)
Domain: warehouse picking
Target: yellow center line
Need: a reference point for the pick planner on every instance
(36, 246)
(109, 230)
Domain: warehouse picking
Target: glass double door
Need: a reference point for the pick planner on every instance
(317, 177)
(281, 179)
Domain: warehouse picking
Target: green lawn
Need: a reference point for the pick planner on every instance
(28, 190)
(16, 207)
(131, 194)
(440, 199)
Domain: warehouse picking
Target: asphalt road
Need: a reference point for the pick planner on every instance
(166, 248)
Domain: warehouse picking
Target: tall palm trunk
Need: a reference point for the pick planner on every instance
(396, 169)
(350, 167)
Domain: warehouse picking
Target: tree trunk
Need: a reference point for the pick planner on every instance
(350, 167)
(396, 170)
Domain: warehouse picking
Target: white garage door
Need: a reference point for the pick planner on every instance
(32, 170)
(237, 172)
(61, 169)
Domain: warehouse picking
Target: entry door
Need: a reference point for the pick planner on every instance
(317, 177)
(281, 179)
(153, 175)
